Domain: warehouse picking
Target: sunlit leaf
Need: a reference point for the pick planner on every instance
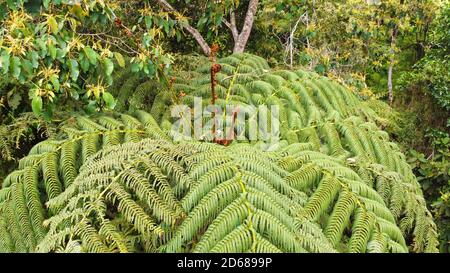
(108, 66)
(36, 105)
(109, 100)
(119, 58)
(52, 24)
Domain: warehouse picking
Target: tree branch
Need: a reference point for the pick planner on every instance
(232, 25)
(291, 42)
(234, 30)
(247, 27)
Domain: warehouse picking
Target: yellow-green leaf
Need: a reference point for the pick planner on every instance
(119, 58)
(52, 24)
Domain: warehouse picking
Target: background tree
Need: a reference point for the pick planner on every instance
(211, 16)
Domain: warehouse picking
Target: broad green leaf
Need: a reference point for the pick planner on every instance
(4, 62)
(119, 58)
(109, 100)
(15, 67)
(91, 55)
(36, 105)
(52, 51)
(74, 70)
(149, 69)
(34, 59)
(60, 54)
(42, 47)
(109, 80)
(166, 26)
(54, 79)
(27, 67)
(108, 65)
(84, 63)
(91, 107)
(135, 68)
(148, 22)
(45, 3)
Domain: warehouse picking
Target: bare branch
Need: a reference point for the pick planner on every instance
(291, 42)
(233, 18)
(228, 24)
(234, 30)
(232, 26)
(247, 28)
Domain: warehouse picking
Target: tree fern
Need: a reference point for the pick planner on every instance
(118, 183)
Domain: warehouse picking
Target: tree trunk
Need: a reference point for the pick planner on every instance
(391, 65)
(241, 42)
(390, 91)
